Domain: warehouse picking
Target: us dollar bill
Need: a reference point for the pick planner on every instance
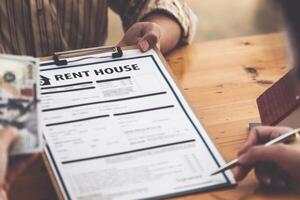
(19, 101)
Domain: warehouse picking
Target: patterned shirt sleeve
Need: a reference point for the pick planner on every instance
(132, 11)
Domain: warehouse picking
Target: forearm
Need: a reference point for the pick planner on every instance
(170, 31)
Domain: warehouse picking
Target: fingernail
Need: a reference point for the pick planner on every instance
(240, 159)
(144, 45)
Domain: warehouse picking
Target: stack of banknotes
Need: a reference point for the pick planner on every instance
(19, 101)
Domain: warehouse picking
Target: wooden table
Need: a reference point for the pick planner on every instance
(218, 80)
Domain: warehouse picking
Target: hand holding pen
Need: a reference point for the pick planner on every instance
(276, 165)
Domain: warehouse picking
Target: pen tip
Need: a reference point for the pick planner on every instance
(214, 173)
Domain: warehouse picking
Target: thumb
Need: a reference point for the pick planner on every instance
(7, 137)
(148, 41)
(3, 194)
(262, 153)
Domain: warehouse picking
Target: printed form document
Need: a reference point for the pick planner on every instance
(121, 129)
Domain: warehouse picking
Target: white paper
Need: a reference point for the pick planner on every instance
(121, 129)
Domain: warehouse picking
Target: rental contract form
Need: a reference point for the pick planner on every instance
(121, 129)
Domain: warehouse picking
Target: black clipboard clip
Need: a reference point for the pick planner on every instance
(60, 58)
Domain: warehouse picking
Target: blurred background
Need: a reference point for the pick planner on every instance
(219, 19)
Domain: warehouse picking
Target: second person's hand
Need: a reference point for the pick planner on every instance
(275, 166)
(9, 169)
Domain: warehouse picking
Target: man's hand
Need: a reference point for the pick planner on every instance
(7, 137)
(157, 29)
(143, 34)
(8, 173)
(275, 166)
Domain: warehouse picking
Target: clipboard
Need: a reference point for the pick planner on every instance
(64, 58)
(60, 59)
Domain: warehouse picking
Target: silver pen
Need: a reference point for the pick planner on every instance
(282, 138)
